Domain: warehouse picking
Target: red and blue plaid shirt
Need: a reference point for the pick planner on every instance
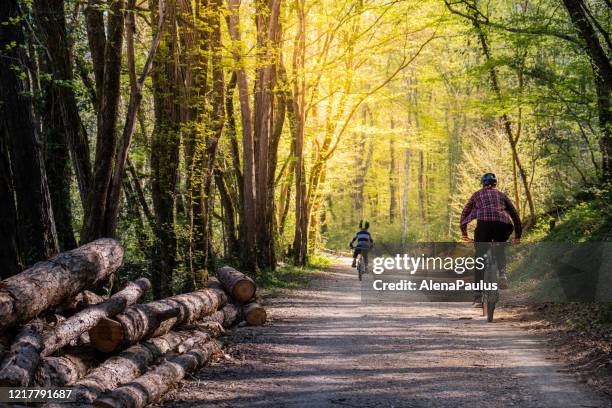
(490, 204)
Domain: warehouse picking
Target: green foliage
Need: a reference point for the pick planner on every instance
(585, 221)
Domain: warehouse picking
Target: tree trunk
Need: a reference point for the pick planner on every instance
(51, 25)
(602, 72)
(226, 317)
(38, 238)
(131, 363)
(57, 160)
(154, 319)
(421, 187)
(239, 286)
(254, 314)
(405, 198)
(19, 364)
(50, 283)
(9, 250)
(149, 387)
(66, 369)
(268, 38)
(229, 213)
(165, 153)
(392, 178)
(108, 89)
(84, 320)
(57, 166)
(248, 222)
(216, 120)
(118, 172)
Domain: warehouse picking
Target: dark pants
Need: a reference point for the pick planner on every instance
(487, 232)
(363, 252)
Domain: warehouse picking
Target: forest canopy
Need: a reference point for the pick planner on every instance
(260, 131)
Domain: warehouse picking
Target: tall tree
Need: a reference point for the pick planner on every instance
(37, 234)
(216, 120)
(105, 43)
(267, 21)
(248, 221)
(51, 28)
(602, 72)
(9, 250)
(165, 150)
(392, 176)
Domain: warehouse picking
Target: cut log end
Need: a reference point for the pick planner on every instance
(243, 291)
(254, 314)
(240, 287)
(107, 336)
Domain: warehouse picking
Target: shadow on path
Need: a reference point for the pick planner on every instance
(323, 348)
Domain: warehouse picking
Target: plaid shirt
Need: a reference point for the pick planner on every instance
(490, 204)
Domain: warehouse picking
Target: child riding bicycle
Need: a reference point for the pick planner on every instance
(364, 242)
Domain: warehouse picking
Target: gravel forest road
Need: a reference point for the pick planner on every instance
(323, 348)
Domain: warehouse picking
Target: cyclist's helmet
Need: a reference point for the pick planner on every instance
(488, 179)
(364, 224)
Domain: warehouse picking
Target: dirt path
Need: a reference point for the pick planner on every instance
(323, 348)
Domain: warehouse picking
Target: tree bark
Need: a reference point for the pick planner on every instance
(149, 387)
(50, 283)
(421, 187)
(363, 160)
(112, 206)
(38, 238)
(240, 287)
(108, 88)
(79, 302)
(226, 317)
(602, 72)
(132, 363)
(9, 250)
(298, 112)
(84, 320)
(392, 179)
(19, 365)
(67, 368)
(268, 39)
(51, 24)
(152, 319)
(248, 222)
(229, 212)
(56, 157)
(216, 120)
(165, 153)
(57, 167)
(405, 198)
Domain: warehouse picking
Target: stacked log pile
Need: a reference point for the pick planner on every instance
(112, 351)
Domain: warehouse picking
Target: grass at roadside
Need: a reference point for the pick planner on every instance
(288, 276)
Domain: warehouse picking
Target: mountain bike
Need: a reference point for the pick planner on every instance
(490, 296)
(362, 263)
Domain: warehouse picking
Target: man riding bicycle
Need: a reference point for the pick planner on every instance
(495, 215)
(364, 242)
